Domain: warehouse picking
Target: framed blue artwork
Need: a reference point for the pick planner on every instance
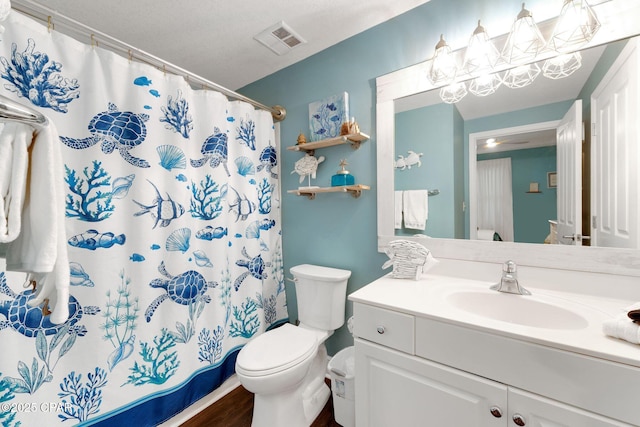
(327, 115)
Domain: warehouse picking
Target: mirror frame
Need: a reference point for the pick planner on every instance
(616, 25)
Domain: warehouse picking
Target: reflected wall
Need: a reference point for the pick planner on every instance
(436, 134)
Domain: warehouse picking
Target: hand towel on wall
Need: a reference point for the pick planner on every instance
(40, 249)
(415, 207)
(397, 209)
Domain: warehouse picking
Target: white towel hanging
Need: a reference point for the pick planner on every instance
(40, 249)
(14, 140)
(415, 208)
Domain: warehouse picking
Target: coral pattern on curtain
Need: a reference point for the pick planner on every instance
(173, 225)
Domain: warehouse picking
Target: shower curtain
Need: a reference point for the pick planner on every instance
(495, 197)
(174, 238)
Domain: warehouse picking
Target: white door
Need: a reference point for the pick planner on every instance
(614, 154)
(569, 174)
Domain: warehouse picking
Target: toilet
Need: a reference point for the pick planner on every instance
(285, 367)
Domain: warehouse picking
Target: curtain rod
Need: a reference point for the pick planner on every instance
(43, 13)
(13, 111)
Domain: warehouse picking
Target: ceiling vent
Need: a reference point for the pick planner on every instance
(280, 38)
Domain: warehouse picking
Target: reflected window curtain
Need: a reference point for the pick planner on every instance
(173, 226)
(495, 197)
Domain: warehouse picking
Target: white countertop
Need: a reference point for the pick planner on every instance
(428, 298)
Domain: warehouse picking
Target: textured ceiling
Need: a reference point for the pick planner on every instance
(214, 39)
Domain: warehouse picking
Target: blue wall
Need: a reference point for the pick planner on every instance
(336, 229)
(432, 131)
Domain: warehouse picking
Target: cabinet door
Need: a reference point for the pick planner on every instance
(537, 411)
(396, 389)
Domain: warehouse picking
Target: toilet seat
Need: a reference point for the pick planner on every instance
(276, 350)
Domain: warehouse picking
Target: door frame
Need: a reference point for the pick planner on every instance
(473, 158)
(569, 200)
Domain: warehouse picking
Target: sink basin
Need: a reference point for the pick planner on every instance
(527, 310)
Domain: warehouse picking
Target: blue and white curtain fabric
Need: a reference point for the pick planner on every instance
(174, 238)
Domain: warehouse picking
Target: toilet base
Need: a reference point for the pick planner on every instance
(298, 406)
(287, 409)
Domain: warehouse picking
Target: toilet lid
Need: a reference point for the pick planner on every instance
(276, 350)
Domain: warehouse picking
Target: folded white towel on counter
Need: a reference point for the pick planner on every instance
(623, 328)
(415, 207)
(40, 249)
(397, 209)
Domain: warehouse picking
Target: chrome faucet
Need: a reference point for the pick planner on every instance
(509, 281)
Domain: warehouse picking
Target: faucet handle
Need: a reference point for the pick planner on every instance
(509, 267)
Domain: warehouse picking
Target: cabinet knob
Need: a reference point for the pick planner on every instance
(496, 412)
(518, 420)
(380, 329)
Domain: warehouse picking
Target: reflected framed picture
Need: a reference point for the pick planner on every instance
(552, 180)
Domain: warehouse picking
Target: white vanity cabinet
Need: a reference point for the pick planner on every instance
(537, 411)
(396, 389)
(417, 371)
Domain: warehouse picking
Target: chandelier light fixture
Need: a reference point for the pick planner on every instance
(443, 66)
(453, 92)
(562, 66)
(521, 76)
(485, 84)
(524, 41)
(575, 26)
(481, 54)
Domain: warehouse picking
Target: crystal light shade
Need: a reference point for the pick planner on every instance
(453, 93)
(521, 76)
(525, 40)
(443, 66)
(576, 25)
(562, 66)
(481, 54)
(485, 84)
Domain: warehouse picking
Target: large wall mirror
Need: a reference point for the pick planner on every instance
(561, 200)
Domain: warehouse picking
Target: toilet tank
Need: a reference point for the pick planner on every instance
(321, 293)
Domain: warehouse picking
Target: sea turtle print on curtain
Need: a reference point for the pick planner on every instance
(123, 130)
(174, 242)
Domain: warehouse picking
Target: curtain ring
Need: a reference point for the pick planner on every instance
(49, 24)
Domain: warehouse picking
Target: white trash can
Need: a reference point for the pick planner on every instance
(342, 370)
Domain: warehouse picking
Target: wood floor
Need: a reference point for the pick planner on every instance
(235, 410)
